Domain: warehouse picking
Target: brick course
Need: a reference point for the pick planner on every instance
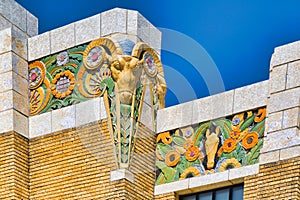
(76, 164)
(14, 182)
(278, 180)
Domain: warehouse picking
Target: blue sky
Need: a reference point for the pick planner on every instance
(236, 38)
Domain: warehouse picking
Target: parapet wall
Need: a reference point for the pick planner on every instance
(280, 148)
(75, 149)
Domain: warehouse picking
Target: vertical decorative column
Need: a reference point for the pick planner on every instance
(282, 128)
(279, 173)
(16, 25)
(128, 28)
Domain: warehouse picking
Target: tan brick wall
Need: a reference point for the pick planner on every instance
(168, 196)
(76, 164)
(13, 166)
(280, 180)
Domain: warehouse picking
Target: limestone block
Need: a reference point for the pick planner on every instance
(88, 111)
(143, 28)
(242, 172)
(87, 29)
(155, 38)
(171, 187)
(146, 116)
(38, 46)
(6, 82)
(20, 123)
(163, 117)
(215, 179)
(278, 78)
(19, 16)
(251, 96)
(62, 38)
(132, 22)
(4, 23)
(32, 24)
(202, 110)
(103, 113)
(120, 174)
(293, 75)
(11, 99)
(63, 118)
(20, 66)
(274, 122)
(113, 21)
(20, 84)
(6, 121)
(291, 152)
(5, 62)
(40, 124)
(5, 40)
(222, 104)
(11, 120)
(284, 100)
(21, 103)
(6, 100)
(268, 157)
(281, 139)
(291, 118)
(286, 53)
(19, 42)
(6, 8)
(187, 114)
(174, 117)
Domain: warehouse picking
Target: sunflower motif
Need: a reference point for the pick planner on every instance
(229, 164)
(172, 158)
(63, 84)
(192, 153)
(250, 140)
(189, 173)
(229, 145)
(164, 137)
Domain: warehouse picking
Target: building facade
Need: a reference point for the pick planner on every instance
(82, 117)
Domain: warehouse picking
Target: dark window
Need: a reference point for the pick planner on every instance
(235, 192)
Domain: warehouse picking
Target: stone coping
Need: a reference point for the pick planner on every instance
(213, 107)
(117, 23)
(207, 182)
(285, 54)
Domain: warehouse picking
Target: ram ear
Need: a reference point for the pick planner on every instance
(152, 68)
